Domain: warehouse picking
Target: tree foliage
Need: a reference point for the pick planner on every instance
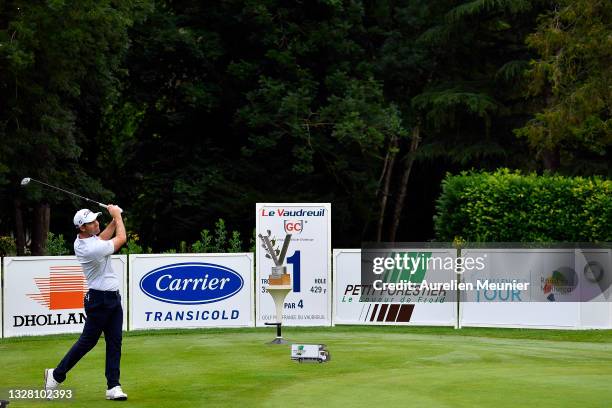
(60, 66)
(188, 112)
(573, 78)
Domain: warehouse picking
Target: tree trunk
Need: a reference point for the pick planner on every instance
(19, 228)
(399, 203)
(551, 158)
(386, 179)
(40, 229)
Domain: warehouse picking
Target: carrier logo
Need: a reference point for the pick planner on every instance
(294, 226)
(63, 289)
(191, 283)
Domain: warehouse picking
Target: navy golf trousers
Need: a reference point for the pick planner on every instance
(104, 315)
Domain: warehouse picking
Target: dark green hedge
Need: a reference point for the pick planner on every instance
(508, 206)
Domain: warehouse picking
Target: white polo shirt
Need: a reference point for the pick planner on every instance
(94, 255)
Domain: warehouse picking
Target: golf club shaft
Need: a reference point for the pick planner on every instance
(71, 193)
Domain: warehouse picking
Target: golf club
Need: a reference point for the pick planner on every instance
(28, 180)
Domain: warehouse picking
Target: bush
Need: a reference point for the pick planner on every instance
(218, 242)
(8, 247)
(508, 206)
(133, 247)
(204, 244)
(56, 245)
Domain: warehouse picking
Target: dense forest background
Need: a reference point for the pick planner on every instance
(184, 112)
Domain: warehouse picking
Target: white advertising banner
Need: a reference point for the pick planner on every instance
(308, 262)
(355, 303)
(44, 295)
(1, 302)
(596, 267)
(558, 289)
(191, 290)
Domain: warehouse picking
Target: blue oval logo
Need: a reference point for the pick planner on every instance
(191, 283)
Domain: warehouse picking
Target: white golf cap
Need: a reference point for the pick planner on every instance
(84, 216)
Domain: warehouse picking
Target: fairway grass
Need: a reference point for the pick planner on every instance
(370, 366)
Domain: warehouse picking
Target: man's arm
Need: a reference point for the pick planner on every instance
(108, 231)
(120, 235)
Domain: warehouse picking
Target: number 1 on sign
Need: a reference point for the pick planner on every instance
(295, 261)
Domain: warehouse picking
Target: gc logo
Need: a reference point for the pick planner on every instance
(294, 226)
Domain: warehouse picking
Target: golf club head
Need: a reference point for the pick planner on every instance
(25, 181)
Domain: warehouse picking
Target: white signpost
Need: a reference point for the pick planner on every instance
(191, 290)
(44, 295)
(308, 262)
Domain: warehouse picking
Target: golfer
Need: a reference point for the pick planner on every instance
(102, 302)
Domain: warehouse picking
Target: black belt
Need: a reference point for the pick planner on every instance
(105, 293)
